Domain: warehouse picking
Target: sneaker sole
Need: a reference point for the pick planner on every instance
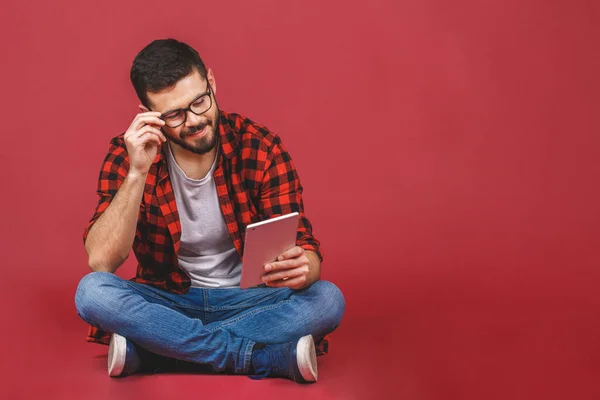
(306, 356)
(117, 351)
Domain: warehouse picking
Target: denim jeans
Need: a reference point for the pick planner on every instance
(218, 327)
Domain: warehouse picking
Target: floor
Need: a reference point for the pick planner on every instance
(433, 340)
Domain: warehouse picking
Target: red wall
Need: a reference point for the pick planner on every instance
(449, 153)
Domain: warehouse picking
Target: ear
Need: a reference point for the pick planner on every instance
(211, 79)
(144, 109)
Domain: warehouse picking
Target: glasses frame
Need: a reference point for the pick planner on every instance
(189, 108)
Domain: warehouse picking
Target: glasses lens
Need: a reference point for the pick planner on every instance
(175, 119)
(201, 105)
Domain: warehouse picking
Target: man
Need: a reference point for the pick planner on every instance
(180, 185)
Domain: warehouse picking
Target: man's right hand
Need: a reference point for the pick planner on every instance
(143, 139)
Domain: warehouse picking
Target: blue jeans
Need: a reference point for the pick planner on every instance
(218, 327)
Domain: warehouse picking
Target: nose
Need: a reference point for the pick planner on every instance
(192, 119)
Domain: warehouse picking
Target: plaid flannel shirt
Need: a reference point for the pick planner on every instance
(255, 180)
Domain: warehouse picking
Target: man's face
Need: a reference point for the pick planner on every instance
(199, 133)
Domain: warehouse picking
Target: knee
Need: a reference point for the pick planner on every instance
(90, 292)
(331, 303)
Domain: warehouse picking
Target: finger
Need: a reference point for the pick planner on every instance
(294, 252)
(149, 137)
(151, 114)
(292, 283)
(285, 264)
(156, 132)
(151, 129)
(151, 120)
(146, 120)
(140, 121)
(148, 112)
(140, 117)
(144, 137)
(288, 273)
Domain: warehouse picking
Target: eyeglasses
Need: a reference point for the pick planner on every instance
(198, 106)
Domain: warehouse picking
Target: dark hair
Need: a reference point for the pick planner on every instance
(161, 64)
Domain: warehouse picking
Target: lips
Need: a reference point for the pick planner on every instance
(197, 133)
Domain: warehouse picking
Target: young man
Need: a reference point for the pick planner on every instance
(180, 186)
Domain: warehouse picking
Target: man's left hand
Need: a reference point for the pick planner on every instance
(296, 269)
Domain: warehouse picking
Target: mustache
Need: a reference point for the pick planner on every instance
(195, 129)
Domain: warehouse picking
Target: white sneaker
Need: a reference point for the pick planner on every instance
(122, 357)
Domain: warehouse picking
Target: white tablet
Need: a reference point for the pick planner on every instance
(265, 241)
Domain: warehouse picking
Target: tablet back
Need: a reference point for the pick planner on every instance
(265, 241)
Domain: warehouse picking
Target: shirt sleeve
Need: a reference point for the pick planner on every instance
(112, 174)
(281, 193)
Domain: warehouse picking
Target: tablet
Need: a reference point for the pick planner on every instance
(265, 241)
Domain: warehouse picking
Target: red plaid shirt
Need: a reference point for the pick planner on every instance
(255, 180)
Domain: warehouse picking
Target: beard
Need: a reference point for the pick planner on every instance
(207, 142)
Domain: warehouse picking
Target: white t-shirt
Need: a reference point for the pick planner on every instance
(206, 250)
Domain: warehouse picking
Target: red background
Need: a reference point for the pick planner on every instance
(449, 152)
